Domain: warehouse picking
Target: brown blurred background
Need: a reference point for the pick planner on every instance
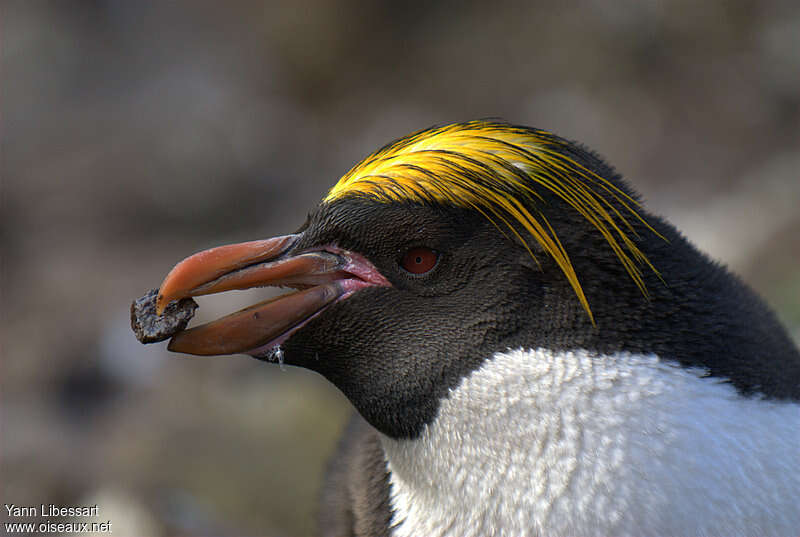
(136, 133)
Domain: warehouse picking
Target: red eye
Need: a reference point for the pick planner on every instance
(419, 260)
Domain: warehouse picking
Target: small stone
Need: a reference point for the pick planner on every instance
(150, 327)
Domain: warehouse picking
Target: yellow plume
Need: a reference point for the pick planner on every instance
(495, 168)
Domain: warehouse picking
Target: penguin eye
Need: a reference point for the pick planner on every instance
(419, 260)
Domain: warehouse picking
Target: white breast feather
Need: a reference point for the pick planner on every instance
(544, 443)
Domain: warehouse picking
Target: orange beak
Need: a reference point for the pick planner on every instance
(322, 276)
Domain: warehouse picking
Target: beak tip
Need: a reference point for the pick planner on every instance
(161, 304)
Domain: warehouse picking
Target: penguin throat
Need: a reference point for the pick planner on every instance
(545, 443)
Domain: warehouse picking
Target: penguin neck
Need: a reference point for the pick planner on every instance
(549, 442)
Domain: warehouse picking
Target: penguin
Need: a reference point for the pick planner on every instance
(529, 351)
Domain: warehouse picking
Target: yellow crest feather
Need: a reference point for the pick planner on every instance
(494, 168)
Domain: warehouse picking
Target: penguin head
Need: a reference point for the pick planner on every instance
(434, 253)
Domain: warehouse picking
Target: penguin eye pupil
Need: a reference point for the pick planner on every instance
(419, 260)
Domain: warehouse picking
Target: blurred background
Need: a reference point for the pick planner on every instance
(136, 133)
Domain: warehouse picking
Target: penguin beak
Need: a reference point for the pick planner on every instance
(320, 277)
